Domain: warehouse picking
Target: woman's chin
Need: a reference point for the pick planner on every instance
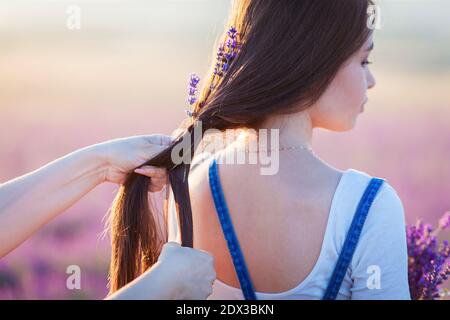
(342, 127)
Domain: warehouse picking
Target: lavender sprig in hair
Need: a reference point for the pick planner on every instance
(428, 265)
(226, 54)
(192, 90)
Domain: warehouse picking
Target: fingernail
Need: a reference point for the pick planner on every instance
(139, 171)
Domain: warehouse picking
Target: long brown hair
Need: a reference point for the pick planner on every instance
(290, 52)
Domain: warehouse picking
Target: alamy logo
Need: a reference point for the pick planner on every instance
(73, 21)
(74, 279)
(264, 150)
(374, 280)
(374, 20)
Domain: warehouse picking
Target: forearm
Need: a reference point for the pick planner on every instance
(30, 201)
(155, 284)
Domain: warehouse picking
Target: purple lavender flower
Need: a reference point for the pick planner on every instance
(193, 80)
(232, 43)
(192, 91)
(226, 53)
(232, 32)
(220, 52)
(216, 70)
(192, 100)
(428, 263)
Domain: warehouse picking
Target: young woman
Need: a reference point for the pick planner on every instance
(310, 231)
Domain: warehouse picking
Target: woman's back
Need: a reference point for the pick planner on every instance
(288, 225)
(273, 215)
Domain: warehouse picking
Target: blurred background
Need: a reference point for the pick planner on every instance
(125, 71)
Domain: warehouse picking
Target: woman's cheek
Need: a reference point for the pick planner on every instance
(356, 86)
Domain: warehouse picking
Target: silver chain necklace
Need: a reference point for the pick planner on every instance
(302, 147)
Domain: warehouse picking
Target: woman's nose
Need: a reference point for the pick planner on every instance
(371, 81)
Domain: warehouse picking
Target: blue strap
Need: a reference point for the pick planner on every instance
(352, 239)
(229, 233)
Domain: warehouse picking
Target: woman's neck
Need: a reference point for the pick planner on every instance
(293, 130)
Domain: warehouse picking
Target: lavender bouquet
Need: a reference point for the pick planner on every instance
(428, 263)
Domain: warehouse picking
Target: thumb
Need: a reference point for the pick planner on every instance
(159, 140)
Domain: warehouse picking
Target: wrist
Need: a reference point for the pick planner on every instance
(167, 281)
(155, 284)
(98, 159)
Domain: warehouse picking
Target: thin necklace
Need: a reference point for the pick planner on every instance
(301, 147)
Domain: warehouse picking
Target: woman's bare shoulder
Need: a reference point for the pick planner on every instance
(199, 183)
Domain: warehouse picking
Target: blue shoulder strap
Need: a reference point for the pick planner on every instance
(352, 238)
(229, 233)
